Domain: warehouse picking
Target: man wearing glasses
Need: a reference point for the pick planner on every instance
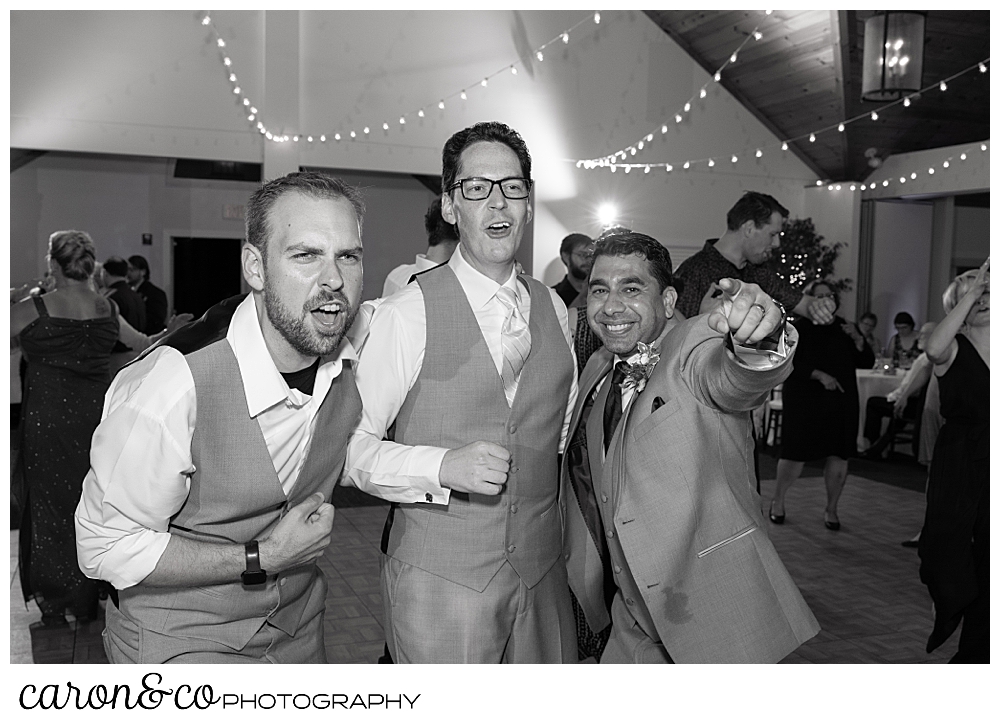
(474, 365)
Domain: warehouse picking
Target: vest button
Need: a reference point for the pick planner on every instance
(512, 429)
(513, 509)
(611, 533)
(510, 549)
(282, 582)
(618, 569)
(604, 498)
(629, 601)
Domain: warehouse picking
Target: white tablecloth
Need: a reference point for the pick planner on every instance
(873, 383)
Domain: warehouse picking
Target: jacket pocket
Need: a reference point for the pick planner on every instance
(652, 420)
(746, 531)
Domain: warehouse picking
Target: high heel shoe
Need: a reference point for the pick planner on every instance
(776, 519)
(830, 524)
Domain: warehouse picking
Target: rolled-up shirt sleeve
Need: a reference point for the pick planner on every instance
(140, 467)
(388, 366)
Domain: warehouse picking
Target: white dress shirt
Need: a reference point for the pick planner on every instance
(388, 367)
(141, 454)
(400, 276)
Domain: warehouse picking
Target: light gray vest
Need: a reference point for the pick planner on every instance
(458, 398)
(235, 496)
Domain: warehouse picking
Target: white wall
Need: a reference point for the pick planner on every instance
(900, 263)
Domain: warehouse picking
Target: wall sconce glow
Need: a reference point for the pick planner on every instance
(606, 214)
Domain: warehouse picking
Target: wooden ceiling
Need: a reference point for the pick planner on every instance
(804, 74)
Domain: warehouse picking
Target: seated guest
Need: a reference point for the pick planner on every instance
(906, 402)
(866, 328)
(903, 345)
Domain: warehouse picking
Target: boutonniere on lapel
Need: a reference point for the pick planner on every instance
(640, 370)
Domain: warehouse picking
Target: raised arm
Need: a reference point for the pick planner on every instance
(941, 346)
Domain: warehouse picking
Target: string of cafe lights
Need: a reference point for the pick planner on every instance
(610, 162)
(254, 116)
(954, 159)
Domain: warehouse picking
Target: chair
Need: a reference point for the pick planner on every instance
(773, 412)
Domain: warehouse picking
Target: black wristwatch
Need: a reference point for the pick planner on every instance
(254, 575)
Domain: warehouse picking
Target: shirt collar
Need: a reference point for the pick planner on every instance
(479, 288)
(263, 385)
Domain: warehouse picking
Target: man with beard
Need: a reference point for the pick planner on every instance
(154, 298)
(577, 253)
(753, 231)
(472, 361)
(205, 505)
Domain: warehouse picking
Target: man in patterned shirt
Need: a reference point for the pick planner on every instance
(753, 230)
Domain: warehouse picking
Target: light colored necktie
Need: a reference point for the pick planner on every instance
(516, 343)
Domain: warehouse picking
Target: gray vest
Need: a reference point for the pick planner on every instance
(457, 399)
(234, 497)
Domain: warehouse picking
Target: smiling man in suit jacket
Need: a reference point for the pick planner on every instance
(662, 520)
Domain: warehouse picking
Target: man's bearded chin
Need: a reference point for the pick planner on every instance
(578, 273)
(304, 340)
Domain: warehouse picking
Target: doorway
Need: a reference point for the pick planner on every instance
(206, 271)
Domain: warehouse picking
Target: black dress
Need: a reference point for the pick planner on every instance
(955, 541)
(818, 422)
(68, 374)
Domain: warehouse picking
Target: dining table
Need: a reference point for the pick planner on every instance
(874, 383)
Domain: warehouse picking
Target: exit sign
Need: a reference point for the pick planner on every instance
(233, 211)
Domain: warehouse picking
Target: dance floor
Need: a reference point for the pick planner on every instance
(860, 582)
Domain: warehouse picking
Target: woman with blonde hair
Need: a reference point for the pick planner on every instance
(954, 544)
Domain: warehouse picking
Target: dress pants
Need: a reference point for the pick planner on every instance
(270, 645)
(629, 644)
(430, 620)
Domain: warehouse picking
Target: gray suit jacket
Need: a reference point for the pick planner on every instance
(688, 515)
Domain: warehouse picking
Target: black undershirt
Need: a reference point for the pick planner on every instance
(304, 379)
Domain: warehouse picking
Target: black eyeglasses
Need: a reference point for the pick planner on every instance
(479, 189)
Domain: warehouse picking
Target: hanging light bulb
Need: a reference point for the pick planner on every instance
(632, 150)
(366, 130)
(483, 82)
(650, 138)
(269, 135)
(931, 170)
(784, 145)
(906, 102)
(863, 188)
(463, 96)
(232, 77)
(597, 18)
(227, 62)
(982, 68)
(565, 38)
(963, 157)
(647, 170)
(252, 109)
(309, 139)
(441, 105)
(237, 90)
(711, 162)
(251, 117)
(886, 182)
(539, 56)
(613, 168)
(628, 168)
(841, 128)
(819, 182)
(732, 58)
(982, 147)
(717, 77)
(943, 86)
(838, 187)
(640, 145)
(513, 70)
(353, 134)
(678, 118)
(734, 159)
(663, 128)
(759, 153)
(812, 138)
(669, 168)
(702, 93)
(206, 20)
(385, 126)
(768, 12)
(946, 164)
(902, 179)
(687, 107)
(221, 43)
(687, 164)
(829, 188)
(246, 101)
(913, 175)
(295, 138)
(853, 187)
(874, 116)
(757, 35)
(402, 120)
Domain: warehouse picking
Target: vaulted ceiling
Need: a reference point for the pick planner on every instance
(804, 74)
